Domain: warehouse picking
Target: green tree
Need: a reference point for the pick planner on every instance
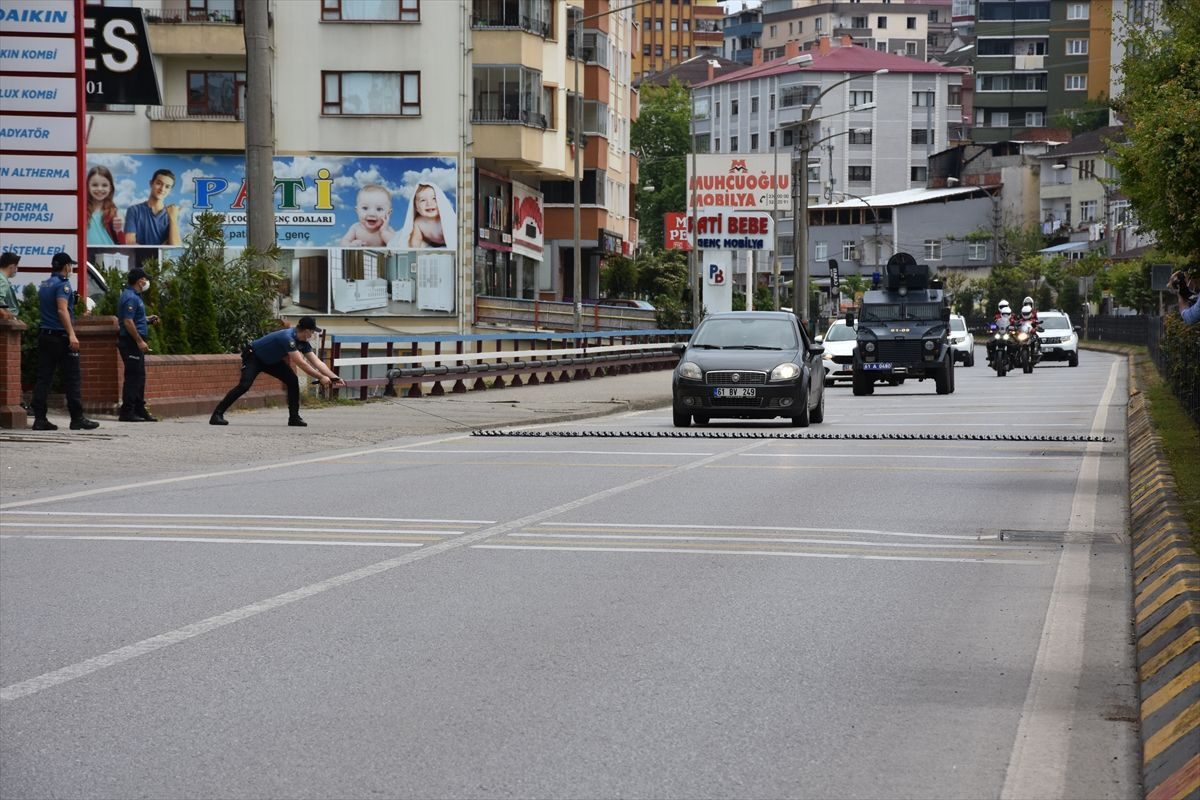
(1159, 162)
(202, 312)
(1093, 114)
(661, 136)
(619, 277)
(170, 337)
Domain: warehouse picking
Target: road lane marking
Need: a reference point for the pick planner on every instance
(211, 540)
(781, 529)
(907, 456)
(224, 473)
(154, 643)
(658, 537)
(1038, 763)
(124, 514)
(791, 553)
(125, 526)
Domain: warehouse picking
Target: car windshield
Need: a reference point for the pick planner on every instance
(746, 334)
(891, 312)
(840, 333)
(958, 324)
(1055, 323)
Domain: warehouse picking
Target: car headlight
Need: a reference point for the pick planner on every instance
(691, 371)
(869, 347)
(929, 345)
(954, 340)
(785, 372)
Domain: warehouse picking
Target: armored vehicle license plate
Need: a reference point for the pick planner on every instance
(878, 365)
(737, 391)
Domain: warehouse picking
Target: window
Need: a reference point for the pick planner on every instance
(860, 174)
(788, 137)
(820, 250)
(881, 22)
(687, 25)
(790, 25)
(918, 174)
(858, 136)
(772, 102)
(733, 144)
(753, 105)
(954, 95)
(674, 25)
(999, 119)
(1086, 168)
(922, 99)
(977, 251)
(799, 96)
(510, 94)
(817, 23)
(1087, 210)
(858, 22)
(910, 23)
(674, 52)
(700, 108)
(645, 49)
(933, 249)
(658, 24)
(1076, 83)
(717, 110)
(535, 16)
(687, 53)
(754, 143)
(1077, 47)
(734, 105)
(910, 48)
(595, 115)
(919, 136)
(702, 141)
(849, 250)
(771, 140)
(197, 10)
(1077, 10)
(1035, 119)
(387, 94)
(658, 50)
(370, 10)
(774, 31)
(215, 93)
(717, 145)
(861, 98)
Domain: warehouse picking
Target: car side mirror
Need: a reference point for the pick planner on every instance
(819, 338)
(678, 347)
(850, 318)
(1077, 328)
(816, 350)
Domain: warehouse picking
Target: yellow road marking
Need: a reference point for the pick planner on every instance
(1171, 690)
(1189, 637)
(1172, 732)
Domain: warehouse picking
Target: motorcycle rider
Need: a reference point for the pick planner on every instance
(1027, 323)
(1028, 301)
(1003, 315)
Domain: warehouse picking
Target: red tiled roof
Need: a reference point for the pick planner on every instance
(840, 59)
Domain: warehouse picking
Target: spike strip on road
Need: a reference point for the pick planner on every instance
(906, 437)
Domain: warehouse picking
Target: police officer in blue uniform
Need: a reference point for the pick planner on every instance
(58, 347)
(133, 326)
(278, 354)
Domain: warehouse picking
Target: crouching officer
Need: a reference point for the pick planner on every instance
(133, 326)
(278, 354)
(58, 347)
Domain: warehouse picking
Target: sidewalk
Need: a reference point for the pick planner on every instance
(36, 463)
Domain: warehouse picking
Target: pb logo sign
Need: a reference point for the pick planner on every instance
(716, 275)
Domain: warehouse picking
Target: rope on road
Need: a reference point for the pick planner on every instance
(903, 437)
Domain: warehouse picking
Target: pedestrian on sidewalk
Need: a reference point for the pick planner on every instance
(279, 354)
(9, 304)
(133, 326)
(58, 347)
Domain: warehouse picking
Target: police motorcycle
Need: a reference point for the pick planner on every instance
(1002, 347)
(1029, 344)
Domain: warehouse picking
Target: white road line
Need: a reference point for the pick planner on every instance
(122, 654)
(789, 553)
(978, 411)
(566, 452)
(128, 487)
(125, 526)
(1037, 765)
(141, 515)
(657, 537)
(907, 456)
(207, 540)
(781, 529)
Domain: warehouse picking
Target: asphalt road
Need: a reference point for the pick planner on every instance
(461, 616)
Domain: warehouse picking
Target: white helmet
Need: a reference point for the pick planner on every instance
(1003, 307)
(1028, 301)
(1027, 311)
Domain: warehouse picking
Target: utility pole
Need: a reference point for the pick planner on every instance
(260, 129)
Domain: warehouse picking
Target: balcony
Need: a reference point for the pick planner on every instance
(174, 33)
(173, 128)
(1029, 62)
(537, 27)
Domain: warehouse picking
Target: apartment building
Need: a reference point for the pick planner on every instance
(676, 30)
(917, 30)
(412, 144)
(743, 34)
(1036, 59)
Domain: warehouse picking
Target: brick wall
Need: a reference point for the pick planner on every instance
(99, 364)
(12, 415)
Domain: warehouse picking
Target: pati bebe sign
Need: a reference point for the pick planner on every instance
(741, 230)
(751, 183)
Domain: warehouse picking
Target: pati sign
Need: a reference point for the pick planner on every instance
(735, 230)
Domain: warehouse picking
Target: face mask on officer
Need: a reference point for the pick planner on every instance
(145, 285)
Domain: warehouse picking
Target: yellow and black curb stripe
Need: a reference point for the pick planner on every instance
(1166, 589)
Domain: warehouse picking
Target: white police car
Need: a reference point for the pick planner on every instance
(839, 341)
(1060, 339)
(961, 341)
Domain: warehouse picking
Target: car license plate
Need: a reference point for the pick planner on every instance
(740, 391)
(878, 365)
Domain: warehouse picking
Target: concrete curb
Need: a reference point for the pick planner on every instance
(1166, 590)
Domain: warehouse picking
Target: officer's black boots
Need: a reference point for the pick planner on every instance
(84, 424)
(296, 422)
(44, 425)
(217, 418)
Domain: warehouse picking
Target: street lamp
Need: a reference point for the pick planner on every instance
(577, 275)
(800, 196)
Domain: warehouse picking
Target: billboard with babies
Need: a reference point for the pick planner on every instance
(360, 233)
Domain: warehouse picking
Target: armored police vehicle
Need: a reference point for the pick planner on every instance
(903, 330)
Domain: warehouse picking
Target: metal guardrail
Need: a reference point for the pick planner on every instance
(183, 114)
(175, 16)
(495, 360)
(559, 316)
(1125, 330)
(1178, 367)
